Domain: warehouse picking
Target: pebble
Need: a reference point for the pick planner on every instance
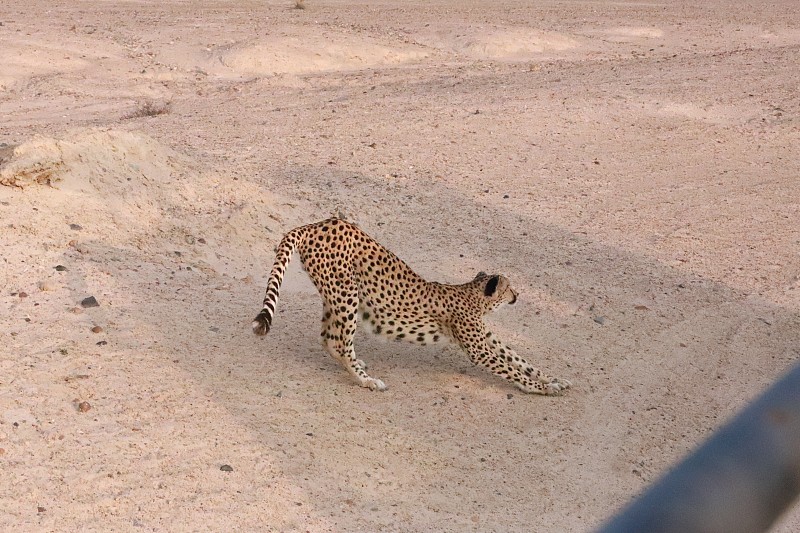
(90, 301)
(23, 294)
(47, 285)
(60, 268)
(84, 407)
(76, 227)
(226, 468)
(97, 329)
(600, 320)
(76, 310)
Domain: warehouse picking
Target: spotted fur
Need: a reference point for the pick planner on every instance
(360, 280)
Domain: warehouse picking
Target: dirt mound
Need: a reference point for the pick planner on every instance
(292, 53)
(127, 174)
(632, 33)
(502, 44)
(126, 189)
(22, 61)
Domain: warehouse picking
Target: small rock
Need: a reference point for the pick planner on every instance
(23, 294)
(189, 239)
(60, 268)
(226, 468)
(75, 227)
(101, 343)
(600, 320)
(506, 197)
(201, 240)
(641, 307)
(47, 285)
(97, 329)
(76, 310)
(40, 509)
(90, 301)
(83, 407)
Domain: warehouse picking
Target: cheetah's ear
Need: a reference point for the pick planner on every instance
(491, 286)
(480, 275)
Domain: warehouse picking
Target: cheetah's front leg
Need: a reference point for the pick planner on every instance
(502, 361)
(534, 380)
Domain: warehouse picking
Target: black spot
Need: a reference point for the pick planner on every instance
(366, 316)
(491, 286)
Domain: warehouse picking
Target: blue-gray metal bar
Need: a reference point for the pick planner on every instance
(739, 481)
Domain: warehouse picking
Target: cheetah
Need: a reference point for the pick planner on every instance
(360, 280)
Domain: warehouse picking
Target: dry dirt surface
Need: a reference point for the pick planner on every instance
(633, 167)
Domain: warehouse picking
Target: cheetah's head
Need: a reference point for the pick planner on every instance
(496, 290)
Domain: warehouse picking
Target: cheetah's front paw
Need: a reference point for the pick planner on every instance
(557, 386)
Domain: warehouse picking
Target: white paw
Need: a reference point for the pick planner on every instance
(557, 386)
(374, 384)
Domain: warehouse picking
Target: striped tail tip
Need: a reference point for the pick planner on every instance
(260, 325)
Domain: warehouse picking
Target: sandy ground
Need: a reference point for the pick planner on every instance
(632, 167)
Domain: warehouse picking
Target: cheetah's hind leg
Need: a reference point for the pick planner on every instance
(338, 332)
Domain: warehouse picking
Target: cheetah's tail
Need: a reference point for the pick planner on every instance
(287, 246)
